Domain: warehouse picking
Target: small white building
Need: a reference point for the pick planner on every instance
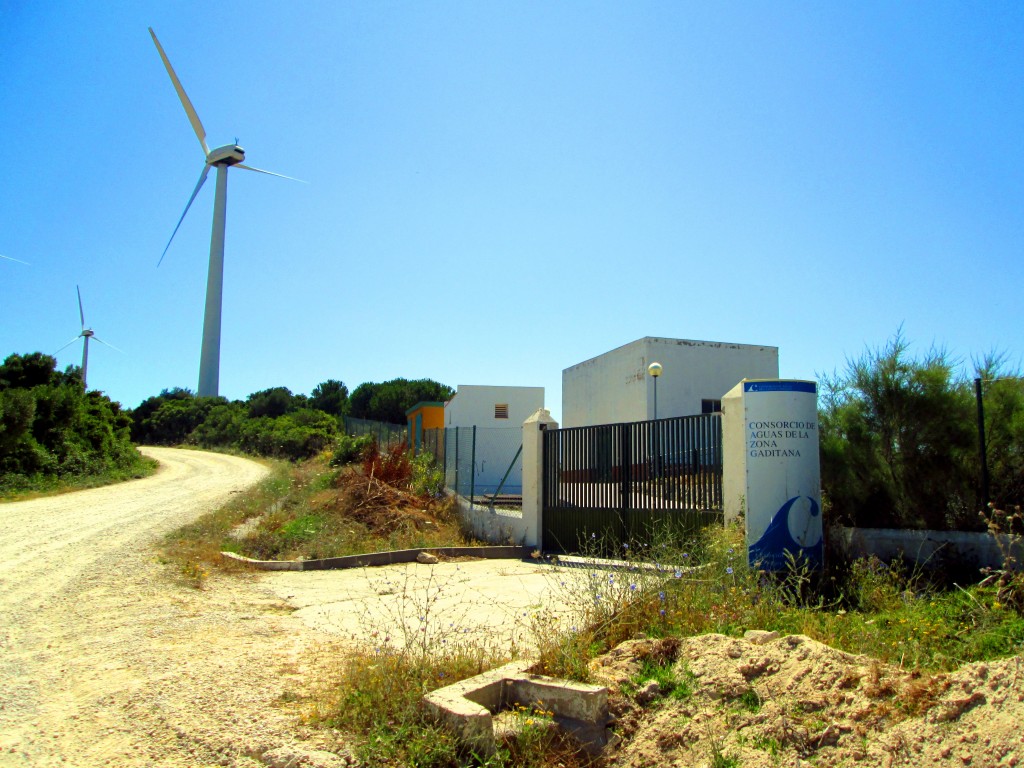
(616, 387)
(498, 414)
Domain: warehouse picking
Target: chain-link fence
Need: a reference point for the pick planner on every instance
(478, 461)
(386, 434)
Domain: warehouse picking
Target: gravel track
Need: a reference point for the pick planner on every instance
(108, 657)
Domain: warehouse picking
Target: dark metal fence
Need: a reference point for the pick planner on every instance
(618, 483)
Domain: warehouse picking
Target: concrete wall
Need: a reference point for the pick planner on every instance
(615, 387)
(934, 549)
(498, 526)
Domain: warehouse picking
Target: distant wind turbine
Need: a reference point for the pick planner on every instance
(222, 158)
(85, 335)
(10, 259)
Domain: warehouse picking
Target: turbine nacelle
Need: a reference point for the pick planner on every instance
(229, 154)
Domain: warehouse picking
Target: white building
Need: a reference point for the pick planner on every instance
(616, 387)
(498, 414)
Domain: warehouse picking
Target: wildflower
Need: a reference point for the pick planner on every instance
(729, 570)
(625, 546)
(730, 551)
(686, 554)
(661, 595)
(632, 587)
(679, 574)
(662, 611)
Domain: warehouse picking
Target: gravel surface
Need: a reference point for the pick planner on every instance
(108, 657)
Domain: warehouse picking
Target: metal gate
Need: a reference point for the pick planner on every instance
(616, 484)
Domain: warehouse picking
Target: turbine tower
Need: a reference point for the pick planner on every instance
(85, 335)
(220, 158)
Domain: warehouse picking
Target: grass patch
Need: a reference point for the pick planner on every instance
(310, 510)
(376, 697)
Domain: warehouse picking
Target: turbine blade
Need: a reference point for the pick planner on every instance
(193, 118)
(269, 173)
(101, 341)
(199, 185)
(9, 258)
(69, 343)
(81, 312)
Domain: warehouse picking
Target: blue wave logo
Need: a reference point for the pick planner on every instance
(796, 528)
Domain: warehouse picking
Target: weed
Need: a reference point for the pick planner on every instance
(1007, 582)
(427, 476)
(750, 700)
(768, 744)
(195, 574)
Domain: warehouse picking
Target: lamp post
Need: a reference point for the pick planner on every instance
(655, 370)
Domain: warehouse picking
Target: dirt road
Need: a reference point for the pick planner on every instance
(107, 659)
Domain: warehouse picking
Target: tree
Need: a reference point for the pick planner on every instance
(149, 406)
(273, 402)
(1003, 399)
(898, 442)
(27, 371)
(389, 400)
(331, 397)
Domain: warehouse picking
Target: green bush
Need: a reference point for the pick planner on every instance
(349, 449)
(53, 431)
(899, 440)
(427, 476)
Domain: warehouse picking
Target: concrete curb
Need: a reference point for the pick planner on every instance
(381, 558)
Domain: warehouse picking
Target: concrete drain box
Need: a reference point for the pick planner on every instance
(468, 707)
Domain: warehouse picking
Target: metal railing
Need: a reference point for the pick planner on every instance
(625, 480)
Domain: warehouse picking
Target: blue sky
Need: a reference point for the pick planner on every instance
(498, 191)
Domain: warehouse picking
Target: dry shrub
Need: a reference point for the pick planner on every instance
(392, 466)
(382, 507)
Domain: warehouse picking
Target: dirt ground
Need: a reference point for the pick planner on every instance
(106, 658)
(791, 701)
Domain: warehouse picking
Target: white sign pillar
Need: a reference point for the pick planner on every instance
(771, 469)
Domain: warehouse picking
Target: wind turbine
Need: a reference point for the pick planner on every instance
(85, 335)
(221, 158)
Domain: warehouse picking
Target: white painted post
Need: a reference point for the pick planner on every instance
(533, 469)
